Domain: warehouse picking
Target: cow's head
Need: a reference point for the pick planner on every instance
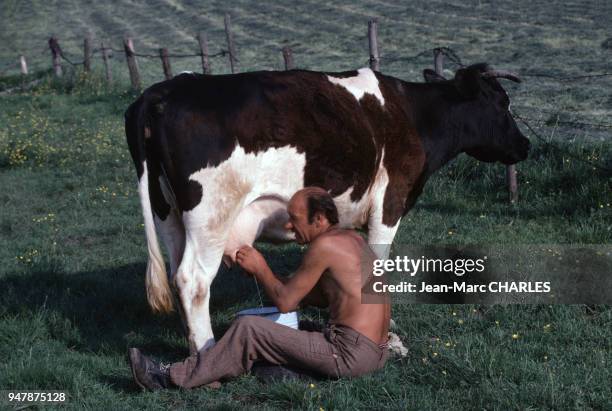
(486, 128)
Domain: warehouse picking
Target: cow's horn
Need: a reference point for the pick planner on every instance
(503, 74)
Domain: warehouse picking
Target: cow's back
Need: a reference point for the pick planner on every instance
(279, 121)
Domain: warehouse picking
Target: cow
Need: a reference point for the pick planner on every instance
(218, 158)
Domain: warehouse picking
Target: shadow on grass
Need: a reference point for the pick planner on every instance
(106, 310)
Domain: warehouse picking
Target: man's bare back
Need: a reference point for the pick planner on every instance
(349, 260)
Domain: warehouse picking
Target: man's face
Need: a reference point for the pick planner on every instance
(298, 219)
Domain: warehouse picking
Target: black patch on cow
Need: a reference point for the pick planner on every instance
(135, 145)
(137, 120)
(197, 121)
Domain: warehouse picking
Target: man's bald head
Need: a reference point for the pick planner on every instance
(317, 200)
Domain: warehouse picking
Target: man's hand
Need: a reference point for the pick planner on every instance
(251, 260)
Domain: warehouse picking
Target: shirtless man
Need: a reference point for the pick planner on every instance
(354, 341)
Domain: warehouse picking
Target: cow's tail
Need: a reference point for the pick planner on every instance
(137, 125)
(159, 293)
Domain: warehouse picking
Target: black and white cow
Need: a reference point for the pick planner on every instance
(218, 157)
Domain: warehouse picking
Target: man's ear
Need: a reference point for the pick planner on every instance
(319, 219)
(431, 76)
(467, 82)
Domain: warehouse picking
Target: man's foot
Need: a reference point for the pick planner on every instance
(147, 373)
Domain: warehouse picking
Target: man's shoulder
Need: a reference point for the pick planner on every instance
(336, 238)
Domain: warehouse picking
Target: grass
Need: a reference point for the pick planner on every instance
(71, 237)
(73, 261)
(526, 36)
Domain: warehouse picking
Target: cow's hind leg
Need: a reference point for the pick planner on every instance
(207, 225)
(172, 233)
(198, 268)
(205, 241)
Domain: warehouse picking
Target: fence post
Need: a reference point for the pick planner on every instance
(163, 54)
(230, 43)
(204, 52)
(373, 42)
(438, 62)
(87, 53)
(512, 183)
(105, 58)
(24, 65)
(56, 53)
(128, 46)
(288, 57)
(24, 71)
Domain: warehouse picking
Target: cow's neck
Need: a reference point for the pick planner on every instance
(438, 122)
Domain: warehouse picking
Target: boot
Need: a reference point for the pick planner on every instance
(147, 373)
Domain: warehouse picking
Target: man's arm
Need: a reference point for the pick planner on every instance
(286, 295)
(315, 298)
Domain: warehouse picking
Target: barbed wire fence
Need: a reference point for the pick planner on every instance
(450, 55)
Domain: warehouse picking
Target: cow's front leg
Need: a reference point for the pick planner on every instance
(195, 274)
(380, 236)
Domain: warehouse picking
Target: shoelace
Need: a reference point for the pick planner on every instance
(165, 368)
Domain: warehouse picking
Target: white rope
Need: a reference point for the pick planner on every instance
(258, 292)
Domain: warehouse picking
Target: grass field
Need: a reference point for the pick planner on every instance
(72, 245)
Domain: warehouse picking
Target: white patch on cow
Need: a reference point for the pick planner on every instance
(364, 82)
(380, 236)
(263, 218)
(356, 214)
(352, 214)
(227, 190)
(186, 72)
(240, 180)
(368, 210)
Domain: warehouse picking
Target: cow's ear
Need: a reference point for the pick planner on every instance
(467, 82)
(431, 76)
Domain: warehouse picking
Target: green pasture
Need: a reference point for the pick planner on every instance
(72, 245)
(73, 258)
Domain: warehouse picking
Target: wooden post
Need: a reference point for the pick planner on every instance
(56, 54)
(512, 183)
(128, 46)
(163, 54)
(373, 41)
(24, 71)
(288, 57)
(105, 57)
(204, 52)
(230, 44)
(438, 62)
(24, 66)
(87, 53)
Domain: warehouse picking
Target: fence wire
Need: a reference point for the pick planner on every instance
(451, 56)
(550, 144)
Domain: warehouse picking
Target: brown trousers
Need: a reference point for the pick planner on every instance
(337, 352)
